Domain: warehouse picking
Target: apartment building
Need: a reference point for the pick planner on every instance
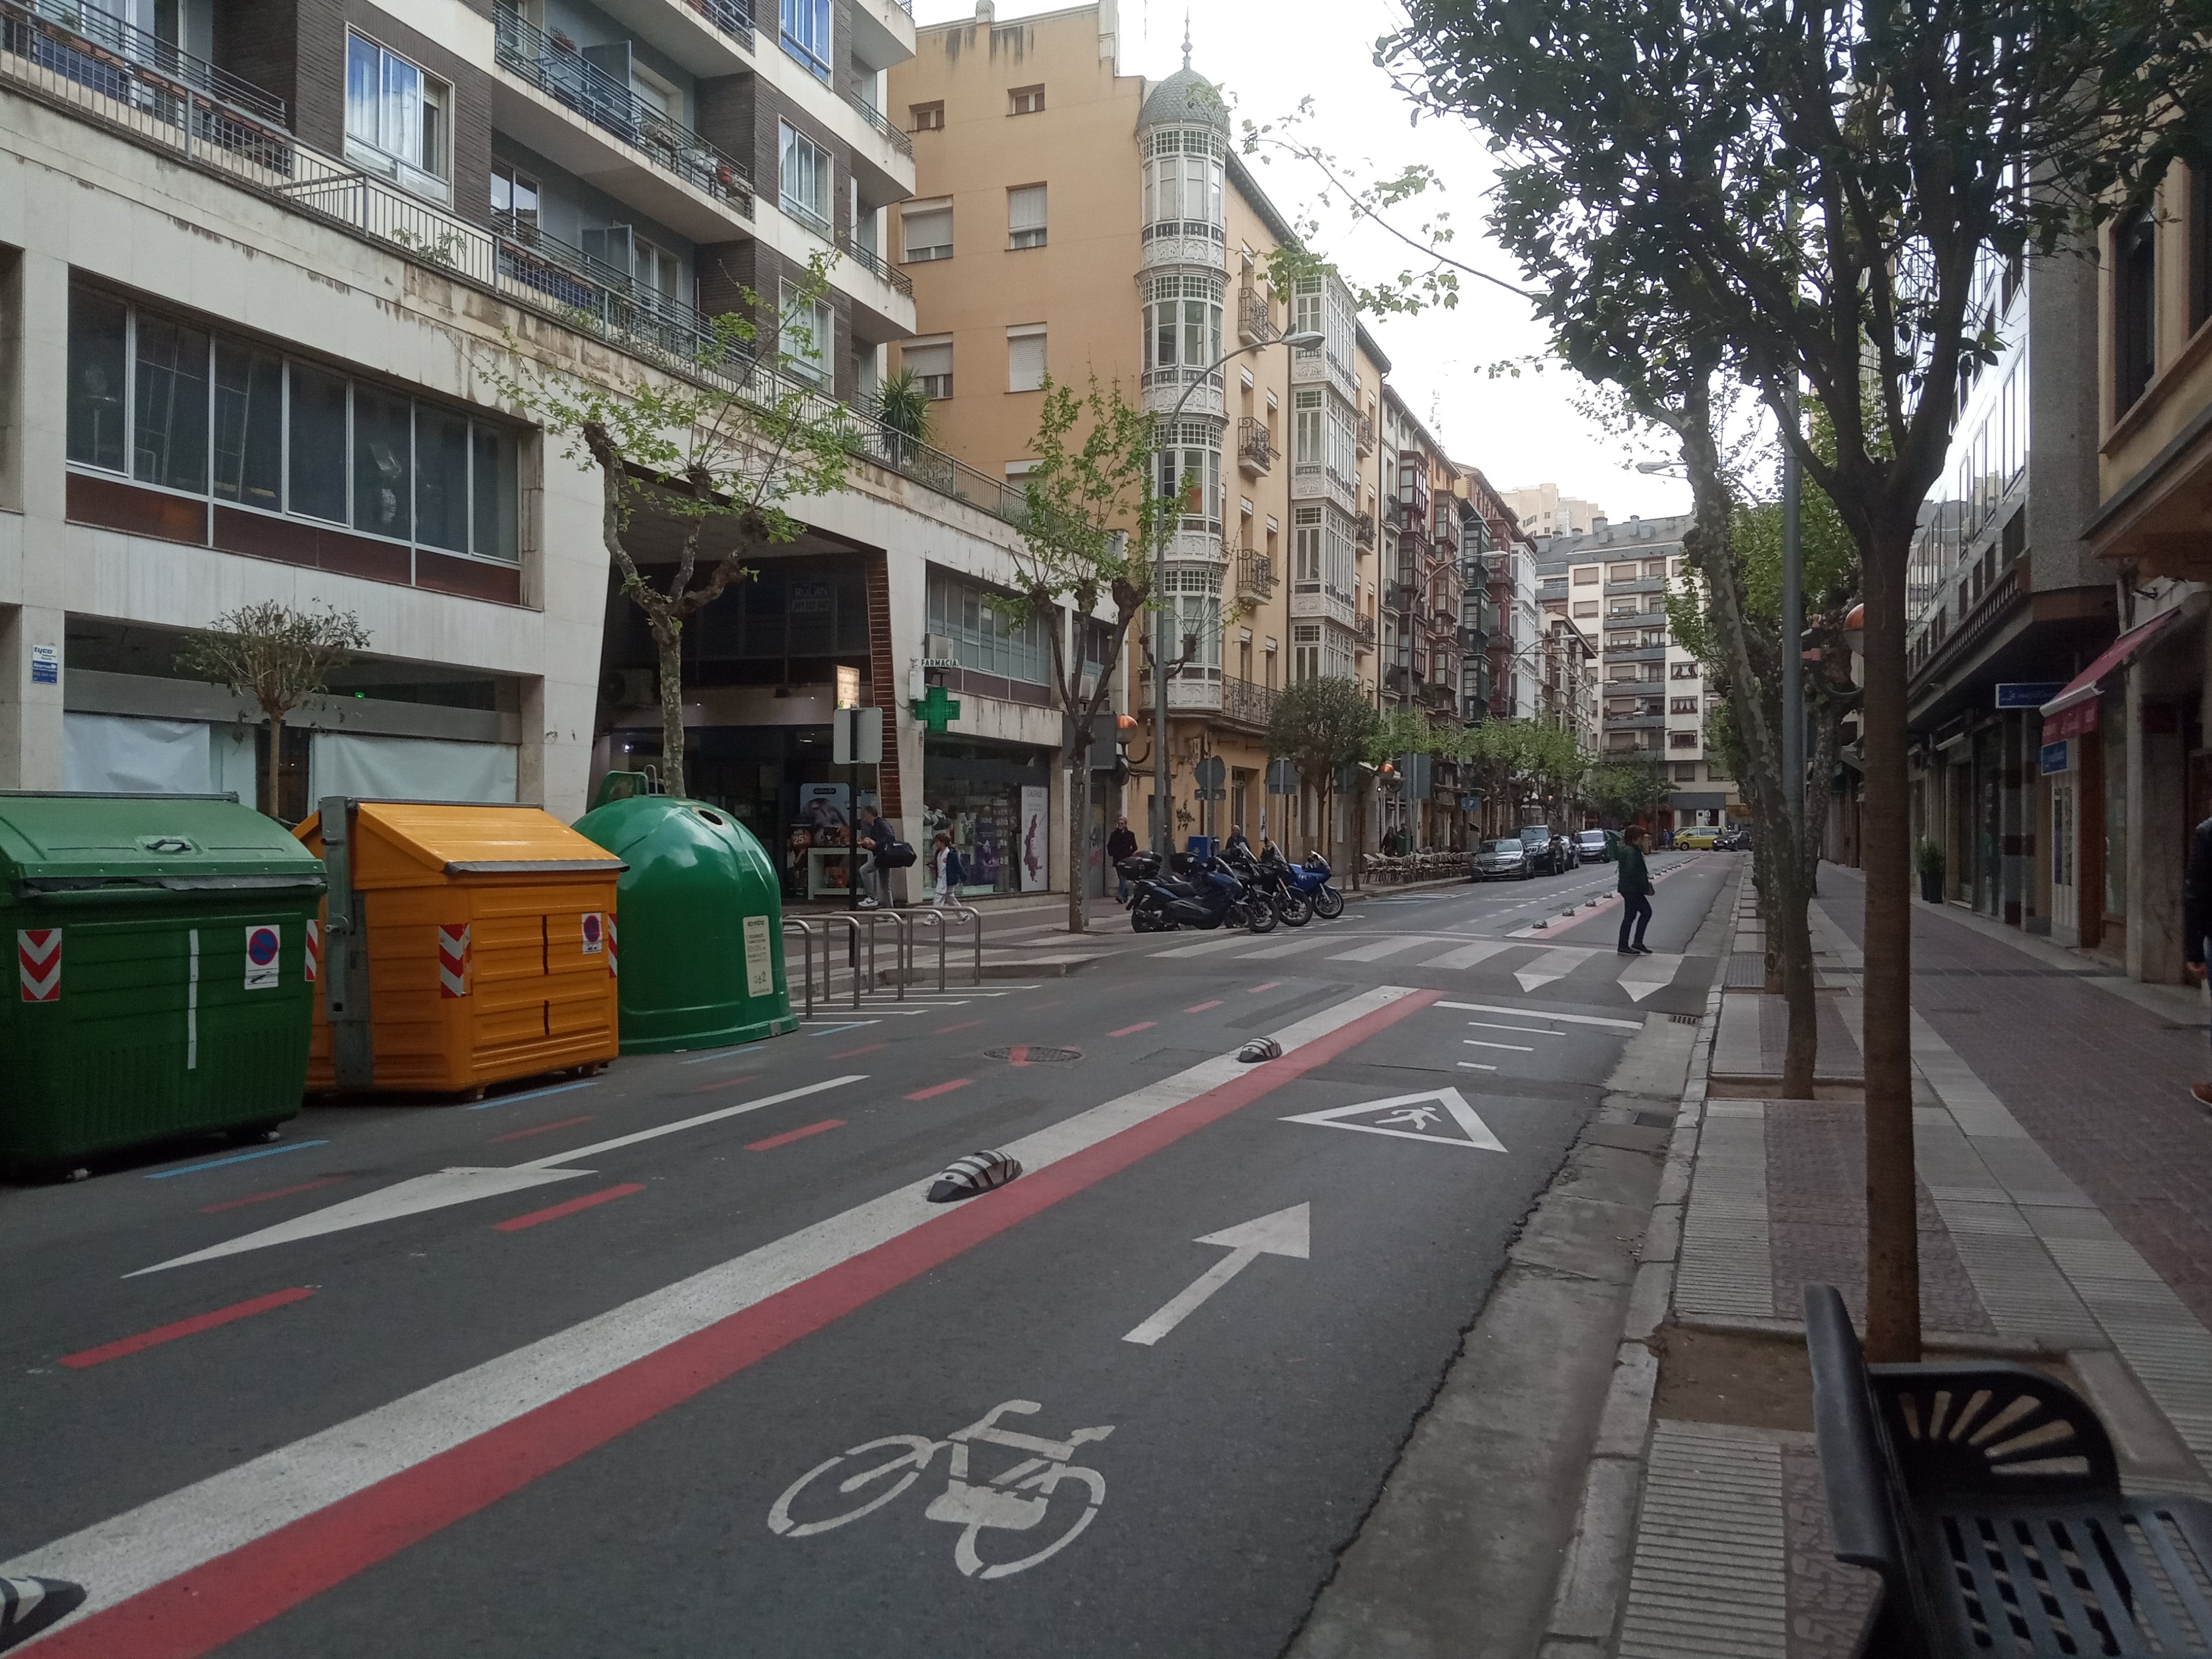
(262, 267)
(2125, 770)
(1543, 512)
(1074, 220)
(1423, 572)
(1513, 642)
(2005, 604)
(1653, 694)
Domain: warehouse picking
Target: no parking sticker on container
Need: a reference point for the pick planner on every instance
(595, 932)
(261, 948)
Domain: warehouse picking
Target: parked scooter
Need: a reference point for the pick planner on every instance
(1311, 878)
(1198, 892)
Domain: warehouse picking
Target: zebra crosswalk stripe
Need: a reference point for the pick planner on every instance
(1376, 952)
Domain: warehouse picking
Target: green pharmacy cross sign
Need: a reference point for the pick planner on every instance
(936, 711)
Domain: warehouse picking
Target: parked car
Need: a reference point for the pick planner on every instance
(1501, 860)
(1547, 853)
(1698, 839)
(1590, 845)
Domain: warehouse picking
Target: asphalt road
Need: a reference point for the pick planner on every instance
(730, 1384)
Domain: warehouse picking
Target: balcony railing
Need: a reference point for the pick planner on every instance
(1366, 629)
(1255, 575)
(103, 52)
(1364, 434)
(885, 129)
(876, 265)
(1363, 531)
(1256, 321)
(1246, 702)
(1256, 447)
(734, 17)
(569, 78)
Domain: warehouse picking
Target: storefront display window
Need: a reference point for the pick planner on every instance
(974, 791)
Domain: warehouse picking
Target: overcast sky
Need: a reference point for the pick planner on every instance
(1267, 55)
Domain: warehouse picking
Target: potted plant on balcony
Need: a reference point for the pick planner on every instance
(1928, 858)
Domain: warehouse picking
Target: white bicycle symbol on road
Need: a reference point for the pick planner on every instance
(998, 1505)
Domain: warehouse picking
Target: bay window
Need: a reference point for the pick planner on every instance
(1182, 327)
(1183, 184)
(1189, 469)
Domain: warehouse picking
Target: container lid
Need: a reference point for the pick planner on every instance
(55, 843)
(475, 841)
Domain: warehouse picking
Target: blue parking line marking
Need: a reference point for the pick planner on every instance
(237, 1157)
(534, 1094)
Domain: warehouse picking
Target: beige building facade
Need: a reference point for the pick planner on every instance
(1072, 221)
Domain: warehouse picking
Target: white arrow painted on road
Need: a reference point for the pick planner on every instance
(1286, 1232)
(464, 1185)
(1648, 974)
(1552, 964)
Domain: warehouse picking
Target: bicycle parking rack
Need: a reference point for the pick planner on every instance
(867, 924)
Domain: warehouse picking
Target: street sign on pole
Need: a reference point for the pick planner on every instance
(857, 737)
(1282, 776)
(1210, 772)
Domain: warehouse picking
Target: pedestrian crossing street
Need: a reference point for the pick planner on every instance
(1532, 964)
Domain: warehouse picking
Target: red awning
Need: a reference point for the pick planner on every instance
(2074, 710)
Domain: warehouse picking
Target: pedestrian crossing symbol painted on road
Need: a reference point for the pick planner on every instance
(1441, 1117)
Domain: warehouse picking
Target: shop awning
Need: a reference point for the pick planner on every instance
(2074, 710)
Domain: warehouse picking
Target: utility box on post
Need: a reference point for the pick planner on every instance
(165, 961)
(467, 946)
(703, 926)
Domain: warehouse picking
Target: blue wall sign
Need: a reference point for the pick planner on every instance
(2027, 694)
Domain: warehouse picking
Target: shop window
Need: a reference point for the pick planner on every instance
(216, 417)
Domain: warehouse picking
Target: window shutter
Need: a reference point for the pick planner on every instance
(1025, 221)
(928, 231)
(1025, 360)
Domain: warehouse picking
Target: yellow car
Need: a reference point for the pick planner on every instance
(1695, 841)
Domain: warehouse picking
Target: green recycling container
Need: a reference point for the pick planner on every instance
(165, 954)
(700, 917)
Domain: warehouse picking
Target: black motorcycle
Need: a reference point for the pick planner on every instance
(1197, 892)
(1270, 877)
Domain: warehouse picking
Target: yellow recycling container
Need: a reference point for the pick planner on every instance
(460, 946)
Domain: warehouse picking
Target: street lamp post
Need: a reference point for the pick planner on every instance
(1163, 841)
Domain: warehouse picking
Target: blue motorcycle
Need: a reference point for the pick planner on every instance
(1311, 880)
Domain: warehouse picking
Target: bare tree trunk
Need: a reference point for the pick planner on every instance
(1893, 1333)
(270, 786)
(670, 647)
(1753, 698)
(1079, 826)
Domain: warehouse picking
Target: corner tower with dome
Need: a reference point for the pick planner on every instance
(1073, 220)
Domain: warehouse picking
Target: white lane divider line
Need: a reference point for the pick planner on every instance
(1531, 1031)
(1518, 1048)
(1525, 1013)
(188, 1530)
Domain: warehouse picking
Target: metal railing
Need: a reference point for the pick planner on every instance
(1255, 574)
(1247, 700)
(103, 52)
(734, 17)
(559, 68)
(876, 265)
(1256, 446)
(884, 127)
(1256, 321)
(862, 928)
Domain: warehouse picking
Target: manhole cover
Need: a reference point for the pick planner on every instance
(1020, 1054)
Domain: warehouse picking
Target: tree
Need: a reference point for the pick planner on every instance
(902, 408)
(1322, 723)
(1626, 790)
(1810, 194)
(278, 657)
(1088, 517)
(708, 462)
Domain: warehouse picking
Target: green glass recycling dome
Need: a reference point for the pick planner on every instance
(1184, 99)
(699, 925)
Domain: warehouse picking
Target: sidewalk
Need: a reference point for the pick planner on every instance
(2065, 1220)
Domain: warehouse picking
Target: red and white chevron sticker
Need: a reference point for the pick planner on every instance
(311, 964)
(614, 952)
(38, 963)
(454, 960)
